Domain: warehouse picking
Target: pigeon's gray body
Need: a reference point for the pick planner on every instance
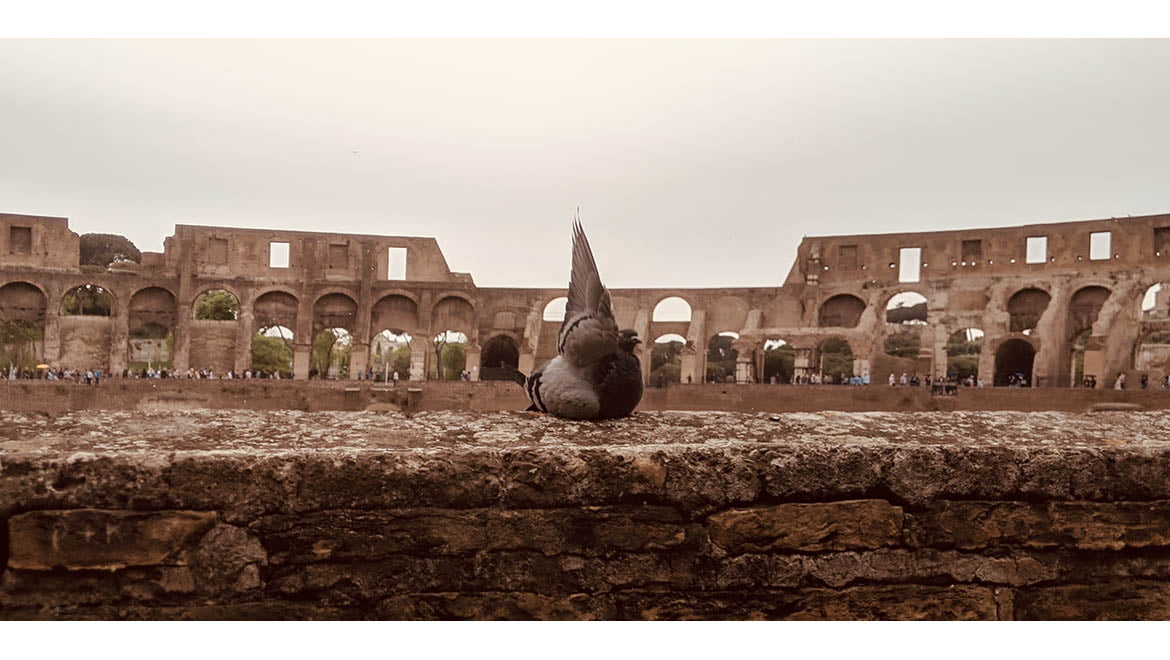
(595, 374)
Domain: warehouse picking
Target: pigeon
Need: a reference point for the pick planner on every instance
(595, 374)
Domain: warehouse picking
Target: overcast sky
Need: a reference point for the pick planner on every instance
(695, 163)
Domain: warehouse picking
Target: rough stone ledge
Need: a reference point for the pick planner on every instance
(227, 514)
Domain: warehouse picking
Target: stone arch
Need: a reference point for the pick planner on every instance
(153, 315)
(395, 312)
(906, 307)
(88, 299)
(1084, 307)
(207, 306)
(841, 311)
(276, 307)
(336, 309)
(453, 313)
(502, 349)
(449, 357)
(554, 310)
(835, 357)
(22, 317)
(666, 360)
(671, 309)
(1014, 362)
(1025, 307)
(391, 351)
(727, 313)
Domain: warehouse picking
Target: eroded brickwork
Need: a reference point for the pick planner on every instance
(1053, 303)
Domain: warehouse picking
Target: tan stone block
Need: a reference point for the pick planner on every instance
(857, 524)
(1081, 525)
(104, 539)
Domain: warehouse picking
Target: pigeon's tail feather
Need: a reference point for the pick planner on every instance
(514, 374)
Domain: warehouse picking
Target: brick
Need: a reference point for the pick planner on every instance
(83, 539)
(858, 524)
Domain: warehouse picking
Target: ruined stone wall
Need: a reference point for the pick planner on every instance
(1072, 307)
(213, 345)
(510, 516)
(85, 342)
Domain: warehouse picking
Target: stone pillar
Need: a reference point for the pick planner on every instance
(120, 335)
(245, 331)
(745, 358)
(698, 344)
(51, 337)
(420, 350)
(181, 356)
(689, 357)
(471, 362)
(303, 338)
(642, 327)
(802, 362)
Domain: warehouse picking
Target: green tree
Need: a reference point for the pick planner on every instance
(836, 358)
(105, 249)
(271, 354)
(903, 344)
(400, 362)
(665, 363)
(454, 360)
(721, 357)
(87, 300)
(217, 305)
(779, 361)
(18, 344)
(331, 352)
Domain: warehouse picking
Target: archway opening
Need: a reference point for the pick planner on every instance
(963, 350)
(499, 358)
(721, 356)
(1025, 308)
(152, 347)
(329, 359)
(779, 361)
(1013, 363)
(272, 352)
(666, 360)
(22, 328)
(87, 300)
(1153, 356)
(836, 360)
(555, 309)
(906, 308)
(450, 355)
(1156, 303)
(390, 354)
(841, 311)
(672, 309)
(217, 305)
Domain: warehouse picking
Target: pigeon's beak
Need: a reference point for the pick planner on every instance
(637, 341)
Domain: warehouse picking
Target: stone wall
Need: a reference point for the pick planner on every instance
(85, 342)
(206, 514)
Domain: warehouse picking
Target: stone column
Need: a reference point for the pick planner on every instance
(642, 327)
(120, 335)
(245, 331)
(473, 354)
(802, 363)
(698, 344)
(303, 338)
(51, 337)
(689, 356)
(745, 358)
(420, 351)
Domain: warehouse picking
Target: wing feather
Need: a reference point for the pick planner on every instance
(589, 331)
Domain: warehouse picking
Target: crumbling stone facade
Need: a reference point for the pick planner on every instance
(1055, 303)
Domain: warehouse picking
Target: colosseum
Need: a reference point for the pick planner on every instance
(1048, 305)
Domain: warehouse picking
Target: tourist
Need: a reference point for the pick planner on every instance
(394, 384)
(1119, 384)
(904, 380)
(1145, 382)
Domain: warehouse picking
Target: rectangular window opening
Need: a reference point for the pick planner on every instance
(339, 255)
(1037, 250)
(972, 251)
(217, 251)
(1100, 245)
(20, 240)
(278, 254)
(909, 264)
(847, 257)
(396, 269)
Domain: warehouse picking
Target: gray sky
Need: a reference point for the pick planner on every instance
(695, 163)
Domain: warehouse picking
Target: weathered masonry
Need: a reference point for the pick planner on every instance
(1052, 305)
(664, 515)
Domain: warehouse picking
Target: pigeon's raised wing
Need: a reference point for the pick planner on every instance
(590, 331)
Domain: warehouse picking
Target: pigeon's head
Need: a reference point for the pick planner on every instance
(628, 339)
